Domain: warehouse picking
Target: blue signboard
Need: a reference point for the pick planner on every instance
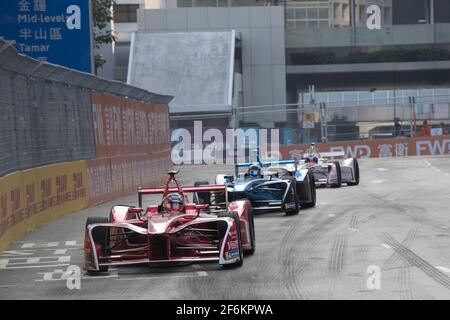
(57, 31)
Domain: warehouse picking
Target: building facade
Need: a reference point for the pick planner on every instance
(289, 46)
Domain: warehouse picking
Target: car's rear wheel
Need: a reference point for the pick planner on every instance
(251, 222)
(296, 208)
(312, 186)
(100, 236)
(235, 216)
(356, 170)
(338, 183)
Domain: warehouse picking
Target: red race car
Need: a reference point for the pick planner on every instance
(174, 231)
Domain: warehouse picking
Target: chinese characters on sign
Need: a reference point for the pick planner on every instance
(57, 31)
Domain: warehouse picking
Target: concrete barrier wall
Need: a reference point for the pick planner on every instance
(131, 141)
(69, 140)
(35, 196)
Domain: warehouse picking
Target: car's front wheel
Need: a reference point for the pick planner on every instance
(235, 216)
(356, 171)
(100, 236)
(338, 182)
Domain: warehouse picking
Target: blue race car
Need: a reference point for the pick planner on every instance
(268, 185)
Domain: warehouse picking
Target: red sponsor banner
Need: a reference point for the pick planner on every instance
(132, 145)
(402, 147)
(113, 177)
(127, 127)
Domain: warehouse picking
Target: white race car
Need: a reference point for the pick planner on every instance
(331, 173)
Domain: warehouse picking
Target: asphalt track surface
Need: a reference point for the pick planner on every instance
(397, 219)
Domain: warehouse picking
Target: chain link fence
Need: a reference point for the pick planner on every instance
(46, 111)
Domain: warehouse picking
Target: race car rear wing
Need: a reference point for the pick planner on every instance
(332, 154)
(264, 164)
(207, 188)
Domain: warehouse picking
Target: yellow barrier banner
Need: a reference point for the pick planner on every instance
(33, 197)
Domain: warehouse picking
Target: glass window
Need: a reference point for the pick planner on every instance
(336, 10)
(380, 96)
(335, 98)
(365, 97)
(289, 13)
(408, 11)
(350, 98)
(323, 13)
(441, 95)
(300, 13)
(345, 11)
(125, 12)
(426, 92)
(442, 11)
(312, 13)
(290, 24)
(321, 97)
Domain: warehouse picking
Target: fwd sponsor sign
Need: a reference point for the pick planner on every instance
(356, 151)
(433, 148)
(389, 148)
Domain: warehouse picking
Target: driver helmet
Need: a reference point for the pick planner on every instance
(173, 202)
(254, 171)
(312, 148)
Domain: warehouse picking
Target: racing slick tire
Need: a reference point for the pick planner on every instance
(202, 197)
(100, 236)
(338, 184)
(297, 204)
(251, 221)
(235, 216)
(312, 184)
(356, 170)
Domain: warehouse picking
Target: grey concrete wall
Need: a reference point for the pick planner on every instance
(193, 67)
(263, 43)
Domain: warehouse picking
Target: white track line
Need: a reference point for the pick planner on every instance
(198, 274)
(443, 269)
(379, 181)
(60, 251)
(435, 168)
(10, 263)
(82, 278)
(54, 244)
(17, 253)
(42, 266)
